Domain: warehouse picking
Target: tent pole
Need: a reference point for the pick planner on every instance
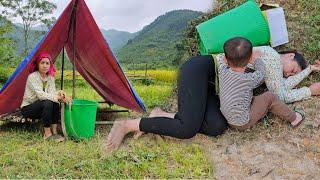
(62, 69)
(74, 49)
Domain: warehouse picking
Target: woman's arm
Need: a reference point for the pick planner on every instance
(294, 80)
(276, 84)
(36, 86)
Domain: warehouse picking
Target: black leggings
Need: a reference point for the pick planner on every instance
(198, 105)
(46, 110)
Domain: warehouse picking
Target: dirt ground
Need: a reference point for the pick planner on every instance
(277, 151)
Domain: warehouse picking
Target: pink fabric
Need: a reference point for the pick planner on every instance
(34, 65)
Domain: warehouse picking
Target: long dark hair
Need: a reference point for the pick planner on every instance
(297, 57)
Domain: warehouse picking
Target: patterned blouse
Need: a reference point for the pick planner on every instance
(275, 82)
(37, 89)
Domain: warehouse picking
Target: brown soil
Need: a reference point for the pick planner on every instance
(275, 152)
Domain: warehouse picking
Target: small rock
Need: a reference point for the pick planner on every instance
(232, 149)
(268, 135)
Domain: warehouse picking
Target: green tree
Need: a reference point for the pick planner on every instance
(6, 43)
(30, 12)
(49, 22)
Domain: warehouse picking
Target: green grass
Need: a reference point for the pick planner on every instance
(24, 154)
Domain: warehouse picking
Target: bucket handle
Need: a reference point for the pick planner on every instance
(63, 123)
(71, 121)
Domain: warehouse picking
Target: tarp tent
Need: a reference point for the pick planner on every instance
(77, 31)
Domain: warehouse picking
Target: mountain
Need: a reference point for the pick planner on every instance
(117, 39)
(17, 35)
(158, 41)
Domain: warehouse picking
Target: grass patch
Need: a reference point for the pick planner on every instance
(24, 154)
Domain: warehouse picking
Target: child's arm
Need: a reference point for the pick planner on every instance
(258, 76)
(221, 61)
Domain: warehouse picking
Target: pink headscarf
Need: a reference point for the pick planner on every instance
(34, 64)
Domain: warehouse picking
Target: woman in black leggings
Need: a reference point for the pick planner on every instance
(198, 108)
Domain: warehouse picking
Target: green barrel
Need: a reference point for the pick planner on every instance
(80, 118)
(244, 21)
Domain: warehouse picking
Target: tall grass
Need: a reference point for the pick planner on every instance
(158, 75)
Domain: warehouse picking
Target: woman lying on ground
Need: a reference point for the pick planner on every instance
(199, 106)
(284, 71)
(41, 100)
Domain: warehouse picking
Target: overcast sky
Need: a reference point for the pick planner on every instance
(133, 15)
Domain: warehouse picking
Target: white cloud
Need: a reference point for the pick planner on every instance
(133, 15)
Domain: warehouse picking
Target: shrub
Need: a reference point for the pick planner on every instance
(4, 75)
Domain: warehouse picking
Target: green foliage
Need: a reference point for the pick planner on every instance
(6, 43)
(4, 74)
(31, 12)
(160, 41)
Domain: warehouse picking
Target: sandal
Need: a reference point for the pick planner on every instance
(55, 138)
(302, 113)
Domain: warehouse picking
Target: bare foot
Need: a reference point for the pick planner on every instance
(137, 134)
(298, 120)
(156, 112)
(116, 135)
(118, 131)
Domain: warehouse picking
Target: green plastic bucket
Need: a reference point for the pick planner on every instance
(80, 118)
(245, 21)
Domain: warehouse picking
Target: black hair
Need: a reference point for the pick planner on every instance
(238, 51)
(297, 57)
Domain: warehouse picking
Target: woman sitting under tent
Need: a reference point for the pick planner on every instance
(41, 100)
(199, 106)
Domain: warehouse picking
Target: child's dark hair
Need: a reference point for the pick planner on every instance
(238, 51)
(297, 57)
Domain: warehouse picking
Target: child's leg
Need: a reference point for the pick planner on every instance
(279, 108)
(267, 102)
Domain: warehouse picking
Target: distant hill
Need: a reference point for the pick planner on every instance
(117, 39)
(18, 37)
(159, 40)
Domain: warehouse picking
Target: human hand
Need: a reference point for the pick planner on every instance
(317, 62)
(60, 97)
(255, 55)
(315, 89)
(67, 100)
(62, 93)
(315, 67)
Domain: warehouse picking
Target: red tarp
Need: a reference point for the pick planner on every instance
(94, 61)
